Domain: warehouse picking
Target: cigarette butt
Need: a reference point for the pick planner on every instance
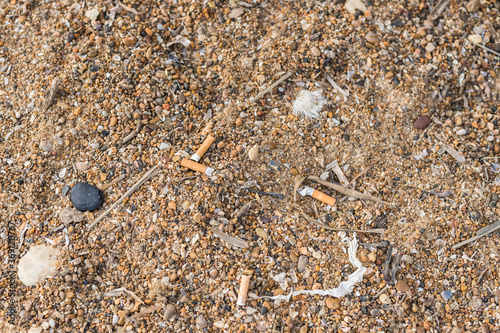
(242, 293)
(323, 198)
(203, 148)
(197, 167)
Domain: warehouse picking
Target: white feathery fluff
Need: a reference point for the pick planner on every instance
(309, 103)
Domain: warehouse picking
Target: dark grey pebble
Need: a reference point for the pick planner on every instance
(86, 197)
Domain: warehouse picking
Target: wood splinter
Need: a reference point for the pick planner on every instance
(203, 148)
(197, 167)
(242, 293)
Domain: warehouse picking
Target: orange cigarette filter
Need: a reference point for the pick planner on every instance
(323, 197)
(197, 167)
(242, 293)
(203, 148)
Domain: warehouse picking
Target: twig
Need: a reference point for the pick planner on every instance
(134, 187)
(118, 291)
(113, 182)
(271, 87)
(276, 195)
(346, 191)
(319, 224)
(54, 88)
(132, 10)
(337, 87)
(131, 135)
(235, 241)
(145, 312)
(493, 227)
(438, 10)
(487, 49)
(362, 173)
(381, 291)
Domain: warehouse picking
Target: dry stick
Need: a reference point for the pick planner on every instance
(346, 191)
(487, 49)
(319, 224)
(495, 226)
(134, 187)
(438, 10)
(362, 173)
(271, 87)
(54, 88)
(113, 182)
(131, 135)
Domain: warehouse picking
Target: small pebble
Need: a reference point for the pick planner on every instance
(253, 153)
(302, 263)
(446, 294)
(332, 303)
(201, 322)
(422, 122)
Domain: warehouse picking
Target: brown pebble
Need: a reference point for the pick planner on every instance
(239, 122)
(332, 303)
(113, 121)
(294, 171)
(169, 312)
(201, 322)
(268, 145)
(422, 122)
(496, 148)
(129, 41)
(402, 286)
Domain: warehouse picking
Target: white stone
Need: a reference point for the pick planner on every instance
(37, 264)
(352, 5)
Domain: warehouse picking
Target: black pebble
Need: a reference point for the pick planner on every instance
(86, 197)
(94, 68)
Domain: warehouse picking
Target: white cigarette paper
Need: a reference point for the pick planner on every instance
(242, 293)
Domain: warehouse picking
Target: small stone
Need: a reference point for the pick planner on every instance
(422, 122)
(294, 171)
(332, 303)
(402, 286)
(446, 294)
(372, 256)
(170, 311)
(253, 153)
(458, 121)
(113, 121)
(430, 47)
(181, 98)
(473, 6)
(384, 299)
(214, 273)
(315, 51)
(201, 322)
(374, 312)
(352, 5)
(255, 252)
(268, 145)
(262, 233)
(82, 166)
(86, 197)
(236, 12)
(47, 146)
(239, 122)
(301, 265)
(129, 41)
(37, 264)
